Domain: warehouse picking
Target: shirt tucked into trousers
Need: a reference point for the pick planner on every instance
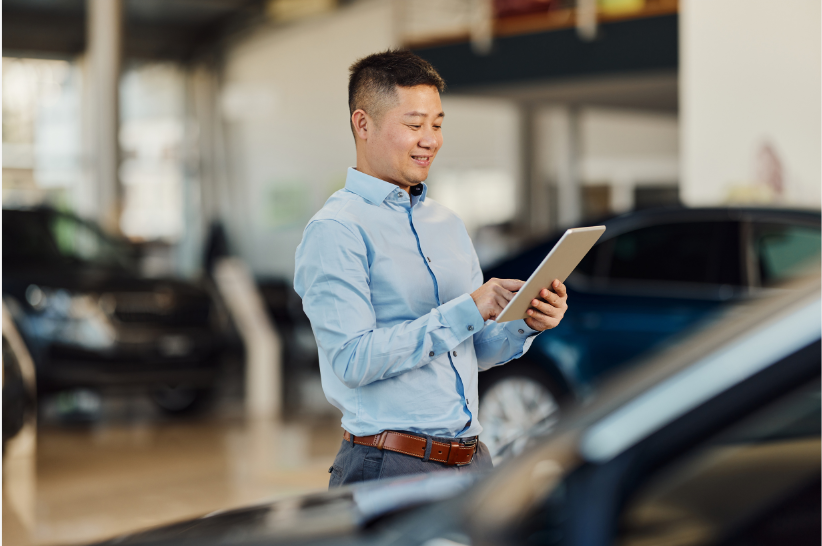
(386, 281)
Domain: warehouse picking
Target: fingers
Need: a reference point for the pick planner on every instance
(553, 299)
(550, 297)
(540, 321)
(508, 295)
(510, 284)
(547, 314)
(559, 288)
(547, 308)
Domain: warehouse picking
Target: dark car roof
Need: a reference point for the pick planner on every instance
(530, 257)
(707, 214)
(46, 266)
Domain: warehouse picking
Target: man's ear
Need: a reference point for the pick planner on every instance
(361, 123)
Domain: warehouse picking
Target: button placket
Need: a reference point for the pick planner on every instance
(463, 376)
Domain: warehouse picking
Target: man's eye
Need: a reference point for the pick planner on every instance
(437, 126)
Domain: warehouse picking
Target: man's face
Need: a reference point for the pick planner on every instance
(406, 139)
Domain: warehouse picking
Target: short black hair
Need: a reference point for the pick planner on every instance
(373, 79)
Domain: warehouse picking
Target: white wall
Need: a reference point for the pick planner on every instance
(285, 104)
(626, 149)
(750, 101)
(476, 173)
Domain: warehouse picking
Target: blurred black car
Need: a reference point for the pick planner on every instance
(653, 274)
(714, 441)
(91, 320)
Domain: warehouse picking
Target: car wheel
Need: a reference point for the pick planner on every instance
(513, 400)
(180, 399)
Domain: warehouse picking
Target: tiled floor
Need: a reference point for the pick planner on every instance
(93, 482)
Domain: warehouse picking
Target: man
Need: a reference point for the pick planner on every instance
(394, 292)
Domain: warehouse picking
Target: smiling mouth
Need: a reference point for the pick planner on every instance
(422, 159)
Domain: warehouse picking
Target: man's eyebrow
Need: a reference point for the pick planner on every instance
(416, 114)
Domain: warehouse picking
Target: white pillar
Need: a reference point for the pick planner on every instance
(100, 198)
(551, 195)
(535, 205)
(263, 366)
(559, 159)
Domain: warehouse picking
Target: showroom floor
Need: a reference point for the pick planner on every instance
(93, 481)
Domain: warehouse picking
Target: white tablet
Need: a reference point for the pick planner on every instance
(558, 264)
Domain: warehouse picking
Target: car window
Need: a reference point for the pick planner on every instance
(784, 252)
(55, 239)
(26, 240)
(760, 476)
(80, 242)
(588, 263)
(692, 252)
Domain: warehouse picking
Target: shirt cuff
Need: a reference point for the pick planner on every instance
(518, 328)
(462, 316)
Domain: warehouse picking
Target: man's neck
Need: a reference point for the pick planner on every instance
(364, 167)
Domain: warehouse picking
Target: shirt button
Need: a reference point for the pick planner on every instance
(431, 353)
(455, 353)
(470, 328)
(521, 331)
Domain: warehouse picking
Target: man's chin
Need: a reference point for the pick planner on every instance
(412, 179)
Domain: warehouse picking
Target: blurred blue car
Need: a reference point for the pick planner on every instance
(653, 274)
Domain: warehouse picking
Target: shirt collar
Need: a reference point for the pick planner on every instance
(374, 190)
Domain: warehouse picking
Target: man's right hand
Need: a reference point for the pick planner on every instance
(492, 297)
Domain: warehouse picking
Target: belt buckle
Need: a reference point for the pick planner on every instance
(473, 442)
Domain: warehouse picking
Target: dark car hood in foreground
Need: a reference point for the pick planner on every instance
(332, 515)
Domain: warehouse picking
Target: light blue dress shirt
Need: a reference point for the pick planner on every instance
(386, 282)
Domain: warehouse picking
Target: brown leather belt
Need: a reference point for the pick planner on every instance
(456, 452)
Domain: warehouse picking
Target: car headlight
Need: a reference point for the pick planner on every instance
(74, 319)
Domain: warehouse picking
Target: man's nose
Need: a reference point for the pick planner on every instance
(430, 140)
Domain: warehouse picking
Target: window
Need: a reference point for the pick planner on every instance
(55, 240)
(695, 252)
(588, 263)
(784, 252)
(27, 241)
(646, 197)
(80, 243)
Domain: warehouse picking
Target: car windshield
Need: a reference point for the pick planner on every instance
(45, 240)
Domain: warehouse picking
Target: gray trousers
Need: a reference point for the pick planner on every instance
(356, 463)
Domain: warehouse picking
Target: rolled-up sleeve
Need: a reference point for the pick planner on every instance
(332, 278)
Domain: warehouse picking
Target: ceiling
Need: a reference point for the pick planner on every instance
(655, 91)
(155, 29)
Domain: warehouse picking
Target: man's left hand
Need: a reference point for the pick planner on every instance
(547, 311)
